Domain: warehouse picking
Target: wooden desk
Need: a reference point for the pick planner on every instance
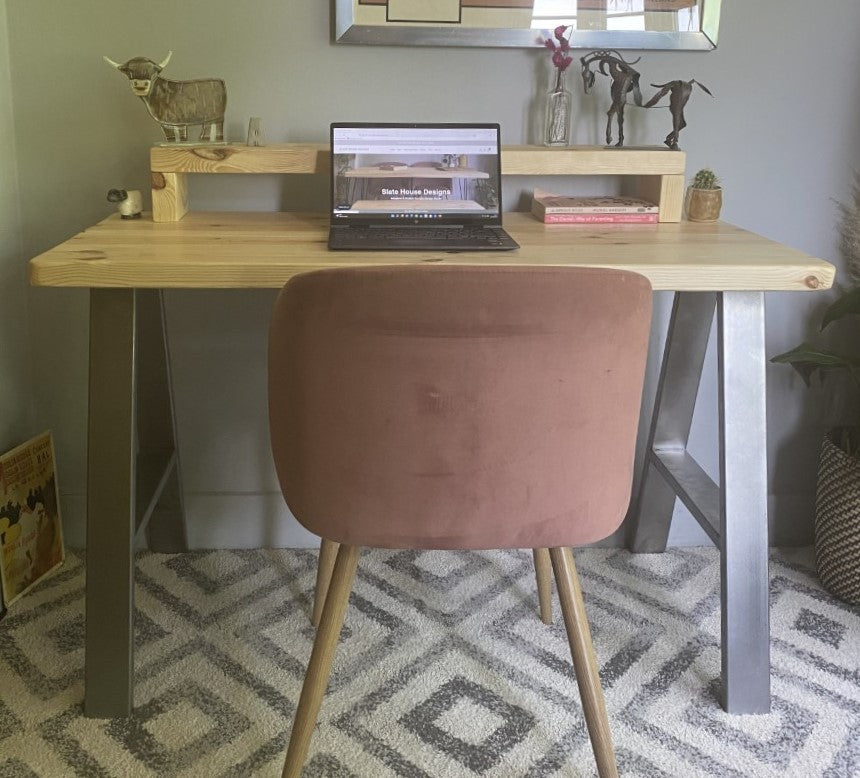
(133, 475)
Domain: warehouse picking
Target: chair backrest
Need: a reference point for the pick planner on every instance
(457, 406)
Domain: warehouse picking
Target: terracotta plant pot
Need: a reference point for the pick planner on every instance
(837, 522)
(703, 205)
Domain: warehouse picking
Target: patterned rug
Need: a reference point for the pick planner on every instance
(444, 669)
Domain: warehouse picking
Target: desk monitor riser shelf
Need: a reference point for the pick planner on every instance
(655, 174)
(133, 471)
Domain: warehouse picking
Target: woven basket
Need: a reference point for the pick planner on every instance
(837, 522)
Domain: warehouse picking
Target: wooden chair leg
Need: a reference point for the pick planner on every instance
(319, 666)
(543, 573)
(328, 553)
(584, 660)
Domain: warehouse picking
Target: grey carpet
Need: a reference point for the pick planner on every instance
(443, 669)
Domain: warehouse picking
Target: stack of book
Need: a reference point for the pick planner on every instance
(561, 209)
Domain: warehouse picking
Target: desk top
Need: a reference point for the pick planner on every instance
(263, 250)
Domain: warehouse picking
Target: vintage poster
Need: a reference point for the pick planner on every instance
(31, 535)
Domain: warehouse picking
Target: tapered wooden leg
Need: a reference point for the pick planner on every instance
(328, 553)
(584, 660)
(543, 573)
(319, 666)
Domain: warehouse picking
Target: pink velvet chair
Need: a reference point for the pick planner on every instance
(457, 407)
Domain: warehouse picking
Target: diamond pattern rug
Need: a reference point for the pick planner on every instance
(443, 669)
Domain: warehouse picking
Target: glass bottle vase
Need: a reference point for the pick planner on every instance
(558, 103)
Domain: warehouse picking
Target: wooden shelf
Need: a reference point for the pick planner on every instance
(591, 161)
(653, 173)
(279, 158)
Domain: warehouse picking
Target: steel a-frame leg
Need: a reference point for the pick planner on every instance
(133, 481)
(733, 513)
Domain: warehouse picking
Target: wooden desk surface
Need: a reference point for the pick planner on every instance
(263, 250)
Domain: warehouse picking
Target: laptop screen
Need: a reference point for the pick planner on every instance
(415, 173)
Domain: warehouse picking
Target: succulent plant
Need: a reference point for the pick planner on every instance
(706, 179)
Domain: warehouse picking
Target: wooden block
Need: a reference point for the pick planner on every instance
(671, 198)
(591, 161)
(277, 158)
(169, 196)
(667, 192)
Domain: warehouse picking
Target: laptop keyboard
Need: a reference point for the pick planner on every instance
(443, 237)
(430, 233)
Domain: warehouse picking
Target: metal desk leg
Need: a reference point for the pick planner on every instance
(743, 492)
(733, 514)
(133, 481)
(675, 401)
(160, 508)
(110, 504)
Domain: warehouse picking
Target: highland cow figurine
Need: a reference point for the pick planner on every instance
(177, 105)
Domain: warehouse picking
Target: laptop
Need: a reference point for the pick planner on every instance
(422, 187)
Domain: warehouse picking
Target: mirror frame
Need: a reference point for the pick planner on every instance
(347, 31)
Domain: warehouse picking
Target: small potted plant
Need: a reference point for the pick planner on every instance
(704, 197)
(837, 499)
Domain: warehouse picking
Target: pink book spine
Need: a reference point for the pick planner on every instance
(601, 218)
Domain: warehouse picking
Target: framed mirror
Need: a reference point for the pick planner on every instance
(596, 24)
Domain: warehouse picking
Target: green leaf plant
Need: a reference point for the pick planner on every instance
(810, 360)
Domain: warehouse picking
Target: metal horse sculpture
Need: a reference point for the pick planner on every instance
(679, 93)
(624, 80)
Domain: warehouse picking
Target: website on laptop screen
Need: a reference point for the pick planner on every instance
(415, 174)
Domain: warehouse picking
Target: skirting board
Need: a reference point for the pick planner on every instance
(243, 521)
(263, 521)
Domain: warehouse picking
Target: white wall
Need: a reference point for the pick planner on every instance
(781, 131)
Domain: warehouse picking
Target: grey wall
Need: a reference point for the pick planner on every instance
(16, 408)
(781, 132)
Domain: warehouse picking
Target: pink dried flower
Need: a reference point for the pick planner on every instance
(560, 57)
(560, 60)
